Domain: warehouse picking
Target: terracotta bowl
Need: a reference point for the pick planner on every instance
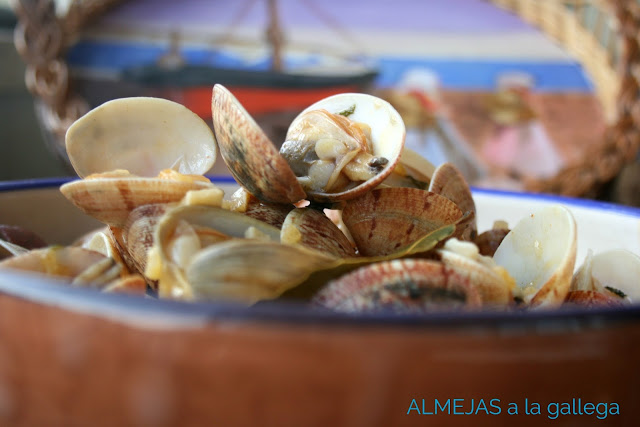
(74, 357)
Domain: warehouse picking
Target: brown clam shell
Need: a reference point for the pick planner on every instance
(21, 237)
(249, 154)
(449, 182)
(387, 219)
(270, 213)
(137, 233)
(318, 232)
(404, 286)
(110, 200)
(593, 299)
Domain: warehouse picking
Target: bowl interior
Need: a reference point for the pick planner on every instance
(39, 206)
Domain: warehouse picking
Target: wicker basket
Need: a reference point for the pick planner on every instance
(602, 34)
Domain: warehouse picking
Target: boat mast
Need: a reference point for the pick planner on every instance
(275, 36)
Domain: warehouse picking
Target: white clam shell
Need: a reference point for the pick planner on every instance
(540, 252)
(619, 269)
(142, 135)
(387, 134)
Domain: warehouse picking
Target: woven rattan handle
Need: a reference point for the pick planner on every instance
(616, 85)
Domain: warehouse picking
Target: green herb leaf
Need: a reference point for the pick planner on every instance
(349, 111)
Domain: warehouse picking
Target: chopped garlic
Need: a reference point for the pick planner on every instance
(206, 197)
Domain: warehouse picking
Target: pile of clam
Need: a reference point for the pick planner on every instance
(342, 216)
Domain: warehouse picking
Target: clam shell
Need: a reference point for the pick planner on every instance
(593, 299)
(494, 290)
(405, 286)
(387, 134)
(616, 269)
(172, 282)
(449, 182)
(57, 261)
(269, 213)
(249, 154)
(142, 135)
(111, 200)
(248, 271)
(137, 232)
(313, 229)
(21, 237)
(540, 253)
(387, 219)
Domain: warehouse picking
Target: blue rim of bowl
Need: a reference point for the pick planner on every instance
(79, 299)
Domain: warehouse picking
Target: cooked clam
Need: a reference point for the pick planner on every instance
(334, 150)
(614, 273)
(136, 151)
(343, 145)
(386, 219)
(404, 286)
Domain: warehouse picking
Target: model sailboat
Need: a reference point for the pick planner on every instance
(272, 89)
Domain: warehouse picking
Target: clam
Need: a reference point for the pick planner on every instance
(334, 150)
(79, 264)
(405, 286)
(175, 245)
(249, 154)
(136, 151)
(8, 249)
(492, 281)
(14, 238)
(540, 253)
(248, 271)
(136, 236)
(386, 219)
(103, 241)
(344, 145)
(613, 273)
(449, 182)
(412, 170)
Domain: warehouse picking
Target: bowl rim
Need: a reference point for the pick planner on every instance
(169, 313)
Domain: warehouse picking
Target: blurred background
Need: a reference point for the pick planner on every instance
(475, 83)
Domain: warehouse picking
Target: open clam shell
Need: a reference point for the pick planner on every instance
(142, 135)
(362, 111)
(248, 271)
(249, 154)
(387, 219)
(405, 286)
(540, 253)
(162, 259)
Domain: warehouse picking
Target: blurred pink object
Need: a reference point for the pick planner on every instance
(524, 149)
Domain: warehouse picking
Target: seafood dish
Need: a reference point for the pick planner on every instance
(342, 217)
